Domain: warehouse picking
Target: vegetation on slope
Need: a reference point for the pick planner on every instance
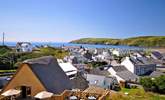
(144, 41)
(135, 94)
(4, 50)
(9, 59)
(154, 84)
(49, 51)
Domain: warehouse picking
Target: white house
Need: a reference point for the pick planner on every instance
(69, 69)
(101, 81)
(122, 74)
(24, 47)
(120, 52)
(104, 56)
(139, 65)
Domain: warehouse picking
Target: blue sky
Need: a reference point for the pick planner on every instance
(65, 20)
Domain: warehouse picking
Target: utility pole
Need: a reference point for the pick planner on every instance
(3, 41)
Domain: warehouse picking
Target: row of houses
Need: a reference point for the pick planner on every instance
(136, 62)
(56, 76)
(46, 74)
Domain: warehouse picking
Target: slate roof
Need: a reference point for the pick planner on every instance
(157, 54)
(156, 74)
(50, 74)
(79, 82)
(95, 79)
(20, 43)
(97, 71)
(140, 61)
(127, 75)
(119, 68)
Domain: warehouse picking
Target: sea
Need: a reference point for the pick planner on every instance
(59, 44)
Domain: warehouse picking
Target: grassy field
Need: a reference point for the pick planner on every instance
(136, 94)
(144, 41)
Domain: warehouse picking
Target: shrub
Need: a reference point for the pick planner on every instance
(156, 84)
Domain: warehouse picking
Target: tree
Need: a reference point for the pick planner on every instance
(156, 84)
(160, 84)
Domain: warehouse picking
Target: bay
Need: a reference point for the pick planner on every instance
(59, 44)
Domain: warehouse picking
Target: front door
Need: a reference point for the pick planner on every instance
(26, 91)
(23, 89)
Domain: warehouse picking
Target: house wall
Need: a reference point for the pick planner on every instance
(25, 77)
(95, 80)
(144, 69)
(115, 52)
(119, 79)
(112, 71)
(24, 47)
(27, 49)
(128, 64)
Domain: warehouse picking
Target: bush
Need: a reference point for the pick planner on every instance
(154, 84)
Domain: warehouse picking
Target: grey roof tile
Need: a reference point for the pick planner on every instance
(119, 68)
(50, 74)
(156, 74)
(127, 75)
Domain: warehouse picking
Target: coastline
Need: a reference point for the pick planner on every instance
(141, 41)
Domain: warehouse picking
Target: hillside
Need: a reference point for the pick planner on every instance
(143, 41)
(4, 50)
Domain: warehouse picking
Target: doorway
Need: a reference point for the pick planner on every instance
(26, 91)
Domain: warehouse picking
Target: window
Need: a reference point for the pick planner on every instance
(96, 81)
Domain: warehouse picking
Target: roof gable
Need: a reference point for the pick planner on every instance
(50, 74)
(95, 79)
(23, 74)
(119, 68)
(127, 75)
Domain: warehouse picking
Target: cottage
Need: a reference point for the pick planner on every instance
(24, 47)
(139, 65)
(101, 81)
(104, 56)
(127, 76)
(75, 58)
(120, 52)
(87, 55)
(122, 74)
(40, 74)
(98, 51)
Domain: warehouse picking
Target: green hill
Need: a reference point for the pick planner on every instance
(4, 50)
(143, 41)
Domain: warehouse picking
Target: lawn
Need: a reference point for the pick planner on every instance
(7, 71)
(136, 94)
